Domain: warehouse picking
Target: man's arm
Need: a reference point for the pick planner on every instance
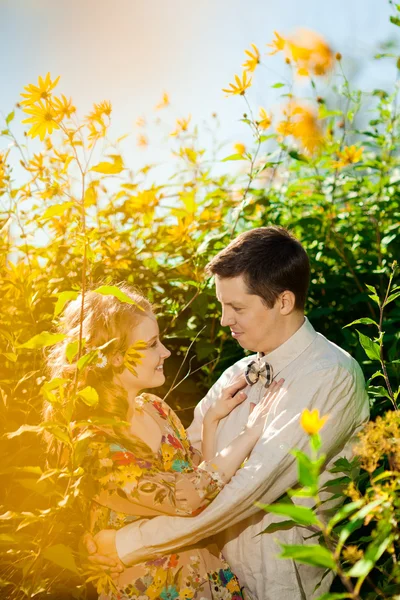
(270, 470)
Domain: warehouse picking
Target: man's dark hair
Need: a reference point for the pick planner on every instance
(271, 261)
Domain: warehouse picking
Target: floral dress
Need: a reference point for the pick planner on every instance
(132, 482)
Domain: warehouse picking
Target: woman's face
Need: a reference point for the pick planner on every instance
(150, 372)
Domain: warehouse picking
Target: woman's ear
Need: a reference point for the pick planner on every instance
(288, 302)
(117, 360)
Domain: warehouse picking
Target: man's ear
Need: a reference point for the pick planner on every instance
(287, 302)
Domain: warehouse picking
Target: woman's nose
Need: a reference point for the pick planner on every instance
(165, 353)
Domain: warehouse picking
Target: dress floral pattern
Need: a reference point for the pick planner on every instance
(129, 482)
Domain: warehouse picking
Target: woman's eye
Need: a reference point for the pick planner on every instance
(154, 344)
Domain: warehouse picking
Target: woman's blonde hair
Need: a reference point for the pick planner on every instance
(105, 319)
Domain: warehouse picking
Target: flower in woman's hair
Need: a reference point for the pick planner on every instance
(102, 361)
(133, 356)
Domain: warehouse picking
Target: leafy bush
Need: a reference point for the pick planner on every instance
(74, 215)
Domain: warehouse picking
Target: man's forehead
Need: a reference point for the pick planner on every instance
(232, 289)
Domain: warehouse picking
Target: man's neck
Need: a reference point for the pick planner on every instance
(288, 328)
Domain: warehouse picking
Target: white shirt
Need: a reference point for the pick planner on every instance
(318, 374)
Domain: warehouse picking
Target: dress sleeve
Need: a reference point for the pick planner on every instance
(127, 483)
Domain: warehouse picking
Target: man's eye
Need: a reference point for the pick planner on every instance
(236, 309)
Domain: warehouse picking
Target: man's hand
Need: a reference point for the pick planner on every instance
(102, 551)
(229, 398)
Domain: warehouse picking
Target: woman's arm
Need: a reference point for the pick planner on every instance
(227, 461)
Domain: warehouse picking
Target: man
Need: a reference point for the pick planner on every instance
(261, 280)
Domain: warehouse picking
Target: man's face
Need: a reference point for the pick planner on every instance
(252, 324)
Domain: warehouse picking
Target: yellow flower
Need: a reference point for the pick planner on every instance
(43, 119)
(253, 60)
(239, 148)
(103, 108)
(265, 119)
(349, 155)
(241, 85)
(164, 102)
(63, 107)
(186, 594)
(168, 452)
(311, 422)
(40, 92)
(181, 125)
(142, 141)
(277, 44)
(352, 554)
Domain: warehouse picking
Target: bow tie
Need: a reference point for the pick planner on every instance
(259, 370)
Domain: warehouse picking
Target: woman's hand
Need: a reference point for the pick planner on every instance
(229, 398)
(258, 412)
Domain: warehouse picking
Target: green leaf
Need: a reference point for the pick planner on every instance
(374, 296)
(343, 513)
(335, 596)
(110, 168)
(300, 514)
(309, 555)
(62, 299)
(57, 210)
(10, 356)
(373, 553)
(43, 340)
(363, 321)
(281, 526)
(55, 384)
(372, 349)
(394, 20)
(234, 157)
(113, 290)
(392, 297)
(61, 556)
(72, 350)
(307, 471)
(89, 396)
(10, 117)
(278, 85)
(297, 156)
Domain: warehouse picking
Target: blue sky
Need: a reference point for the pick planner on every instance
(130, 51)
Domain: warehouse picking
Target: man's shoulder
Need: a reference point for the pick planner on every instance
(328, 355)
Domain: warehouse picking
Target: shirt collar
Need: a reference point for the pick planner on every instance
(292, 348)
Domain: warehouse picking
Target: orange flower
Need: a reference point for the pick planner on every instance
(310, 52)
(142, 141)
(302, 123)
(239, 148)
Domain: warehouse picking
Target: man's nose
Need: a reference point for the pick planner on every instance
(227, 318)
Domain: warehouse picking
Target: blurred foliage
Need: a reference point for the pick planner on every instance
(74, 214)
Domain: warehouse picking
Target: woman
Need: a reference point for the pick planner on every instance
(150, 468)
